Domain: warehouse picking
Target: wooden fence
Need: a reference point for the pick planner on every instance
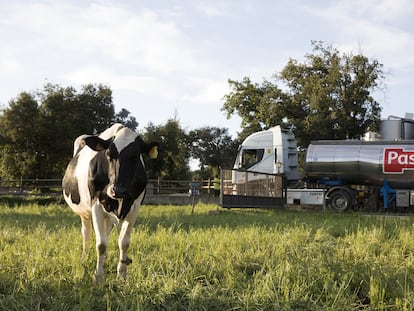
(24, 186)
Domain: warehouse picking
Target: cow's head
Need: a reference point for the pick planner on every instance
(126, 170)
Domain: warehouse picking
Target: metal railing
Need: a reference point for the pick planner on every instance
(245, 183)
(252, 189)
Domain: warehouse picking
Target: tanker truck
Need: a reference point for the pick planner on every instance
(374, 172)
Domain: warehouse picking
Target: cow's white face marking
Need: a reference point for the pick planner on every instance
(124, 138)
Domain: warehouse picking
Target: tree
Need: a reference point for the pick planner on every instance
(259, 106)
(126, 119)
(330, 94)
(38, 130)
(213, 147)
(172, 162)
(95, 105)
(20, 138)
(327, 97)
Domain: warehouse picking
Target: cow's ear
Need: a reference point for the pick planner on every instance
(96, 143)
(153, 150)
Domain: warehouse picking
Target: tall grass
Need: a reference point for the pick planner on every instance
(231, 260)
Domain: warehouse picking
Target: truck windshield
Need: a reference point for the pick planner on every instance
(251, 156)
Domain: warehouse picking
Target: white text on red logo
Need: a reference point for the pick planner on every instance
(396, 160)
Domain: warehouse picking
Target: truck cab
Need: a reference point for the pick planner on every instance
(272, 151)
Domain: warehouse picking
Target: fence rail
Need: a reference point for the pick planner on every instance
(24, 186)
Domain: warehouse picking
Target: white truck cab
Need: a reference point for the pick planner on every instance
(272, 151)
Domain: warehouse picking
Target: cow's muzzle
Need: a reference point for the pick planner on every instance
(119, 192)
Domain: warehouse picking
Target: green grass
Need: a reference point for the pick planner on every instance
(232, 260)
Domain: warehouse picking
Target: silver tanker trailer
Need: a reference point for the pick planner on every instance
(372, 173)
(354, 171)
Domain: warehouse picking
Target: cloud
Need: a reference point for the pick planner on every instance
(139, 38)
(9, 65)
(130, 49)
(214, 9)
(119, 82)
(374, 28)
(377, 11)
(205, 91)
(180, 54)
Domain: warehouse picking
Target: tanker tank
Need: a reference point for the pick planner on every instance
(357, 162)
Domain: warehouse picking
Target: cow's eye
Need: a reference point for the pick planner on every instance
(112, 153)
(109, 154)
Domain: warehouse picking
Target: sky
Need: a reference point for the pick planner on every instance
(172, 59)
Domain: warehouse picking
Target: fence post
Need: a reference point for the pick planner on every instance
(21, 184)
(158, 185)
(209, 186)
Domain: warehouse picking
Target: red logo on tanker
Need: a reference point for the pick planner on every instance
(396, 160)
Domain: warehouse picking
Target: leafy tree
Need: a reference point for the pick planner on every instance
(330, 94)
(66, 114)
(259, 105)
(20, 138)
(213, 147)
(126, 119)
(172, 162)
(38, 130)
(327, 97)
(95, 104)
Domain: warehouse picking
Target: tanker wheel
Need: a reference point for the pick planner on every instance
(340, 200)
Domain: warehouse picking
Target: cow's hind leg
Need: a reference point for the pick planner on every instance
(101, 221)
(124, 240)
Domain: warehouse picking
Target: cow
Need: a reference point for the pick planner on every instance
(104, 184)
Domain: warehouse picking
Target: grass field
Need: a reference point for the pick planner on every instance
(231, 260)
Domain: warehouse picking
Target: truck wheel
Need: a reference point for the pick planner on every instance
(339, 200)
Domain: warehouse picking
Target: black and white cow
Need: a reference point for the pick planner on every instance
(104, 184)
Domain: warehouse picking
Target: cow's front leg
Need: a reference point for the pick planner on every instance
(100, 223)
(86, 235)
(124, 240)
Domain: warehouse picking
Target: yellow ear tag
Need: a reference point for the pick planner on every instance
(153, 153)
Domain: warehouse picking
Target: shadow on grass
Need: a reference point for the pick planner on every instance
(336, 224)
(16, 201)
(48, 217)
(180, 218)
(51, 294)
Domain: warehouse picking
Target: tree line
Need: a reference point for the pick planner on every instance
(327, 96)
(37, 132)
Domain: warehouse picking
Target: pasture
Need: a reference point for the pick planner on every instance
(229, 260)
